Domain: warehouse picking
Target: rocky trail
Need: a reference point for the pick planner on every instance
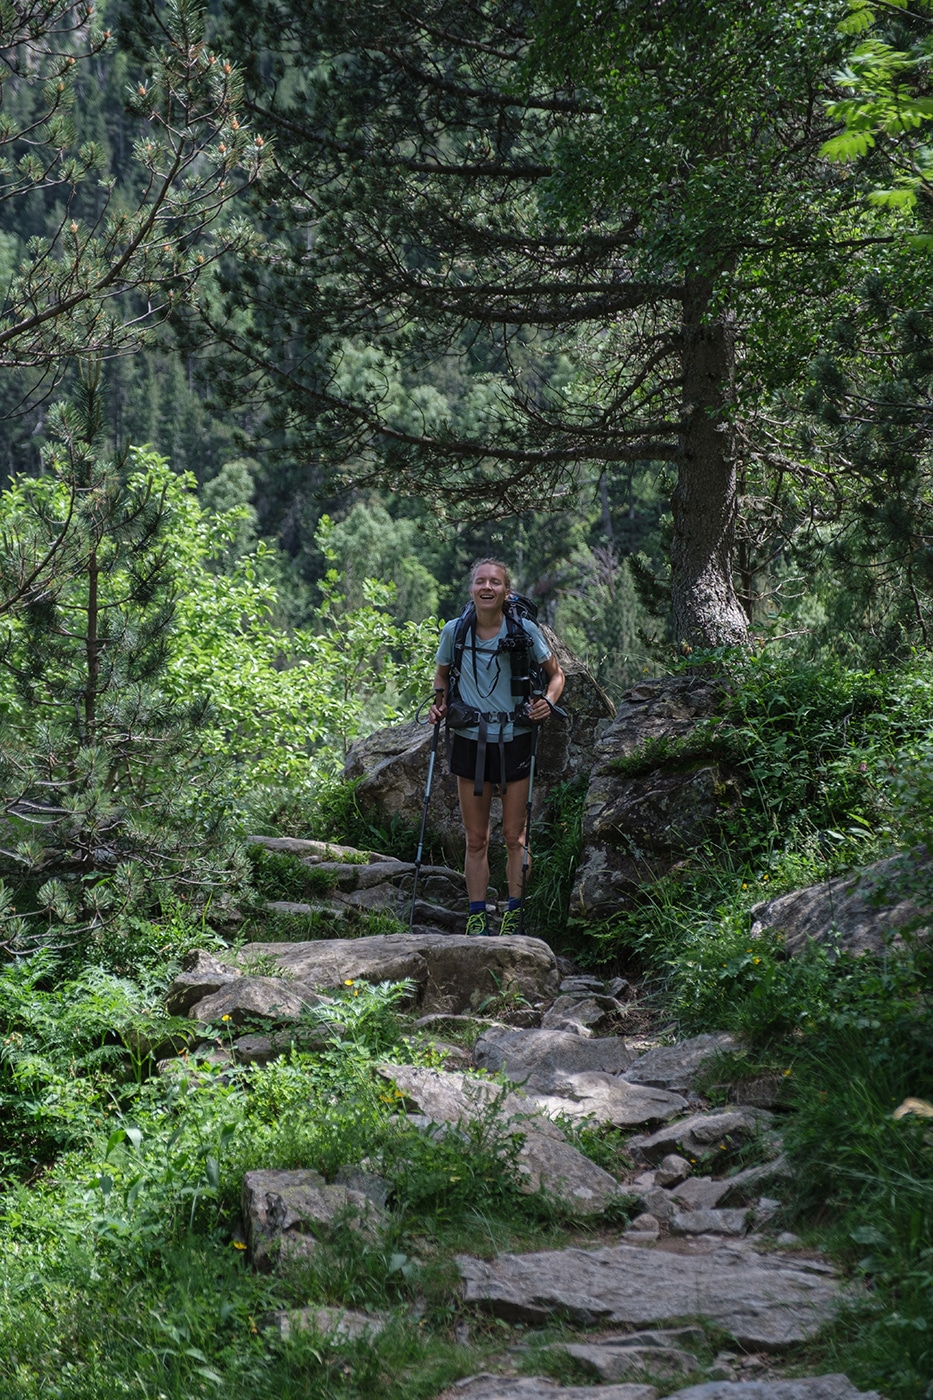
(694, 1292)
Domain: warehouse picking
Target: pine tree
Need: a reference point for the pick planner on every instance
(108, 801)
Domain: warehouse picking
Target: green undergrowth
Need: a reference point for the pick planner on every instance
(835, 769)
(122, 1272)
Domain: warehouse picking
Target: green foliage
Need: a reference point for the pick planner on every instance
(556, 842)
(889, 101)
(287, 705)
(140, 1215)
(278, 875)
(109, 797)
(365, 1012)
(864, 1175)
(60, 1059)
(93, 247)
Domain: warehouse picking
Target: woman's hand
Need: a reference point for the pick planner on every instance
(538, 709)
(439, 709)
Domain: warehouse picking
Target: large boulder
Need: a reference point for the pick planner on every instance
(286, 1213)
(392, 764)
(864, 912)
(451, 974)
(641, 820)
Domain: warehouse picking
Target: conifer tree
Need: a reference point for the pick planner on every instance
(107, 798)
(635, 188)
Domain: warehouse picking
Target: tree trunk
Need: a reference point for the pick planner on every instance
(706, 609)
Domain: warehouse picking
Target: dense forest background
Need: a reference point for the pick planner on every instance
(482, 348)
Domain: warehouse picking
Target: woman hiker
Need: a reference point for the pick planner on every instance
(485, 695)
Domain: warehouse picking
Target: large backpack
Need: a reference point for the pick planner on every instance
(528, 678)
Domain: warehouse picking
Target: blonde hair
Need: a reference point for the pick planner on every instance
(496, 564)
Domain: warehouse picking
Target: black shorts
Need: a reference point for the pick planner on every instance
(517, 758)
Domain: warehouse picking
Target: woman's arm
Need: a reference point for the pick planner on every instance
(540, 708)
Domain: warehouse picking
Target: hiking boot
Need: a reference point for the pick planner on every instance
(478, 925)
(510, 922)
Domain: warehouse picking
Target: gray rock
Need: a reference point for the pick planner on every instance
(546, 1160)
(605, 1099)
(644, 1224)
(536, 1060)
(262, 1049)
(245, 998)
(672, 1170)
(608, 1361)
(356, 1178)
(637, 828)
(450, 973)
(594, 1013)
(336, 1323)
(314, 852)
(741, 1189)
(580, 986)
(674, 1067)
(653, 1200)
(573, 1075)
(709, 1222)
(660, 1337)
(285, 1213)
(488, 1387)
(763, 1301)
(202, 975)
(702, 1134)
(859, 913)
(834, 1387)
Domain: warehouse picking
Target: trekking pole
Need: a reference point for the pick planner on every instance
(424, 814)
(526, 853)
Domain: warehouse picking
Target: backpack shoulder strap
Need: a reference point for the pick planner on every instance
(466, 623)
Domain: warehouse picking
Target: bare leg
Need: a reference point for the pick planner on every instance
(514, 803)
(475, 813)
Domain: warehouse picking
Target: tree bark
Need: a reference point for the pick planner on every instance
(706, 610)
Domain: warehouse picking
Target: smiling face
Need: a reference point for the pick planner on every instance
(489, 586)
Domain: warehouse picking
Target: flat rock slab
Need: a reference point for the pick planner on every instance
(763, 1301)
(834, 1387)
(702, 1134)
(605, 1099)
(571, 1075)
(674, 1067)
(334, 1323)
(709, 1222)
(488, 1387)
(546, 1160)
(314, 852)
(584, 1015)
(201, 975)
(741, 1189)
(450, 973)
(612, 1362)
(534, 1058)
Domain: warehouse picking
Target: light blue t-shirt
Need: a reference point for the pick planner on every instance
(489, 687)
